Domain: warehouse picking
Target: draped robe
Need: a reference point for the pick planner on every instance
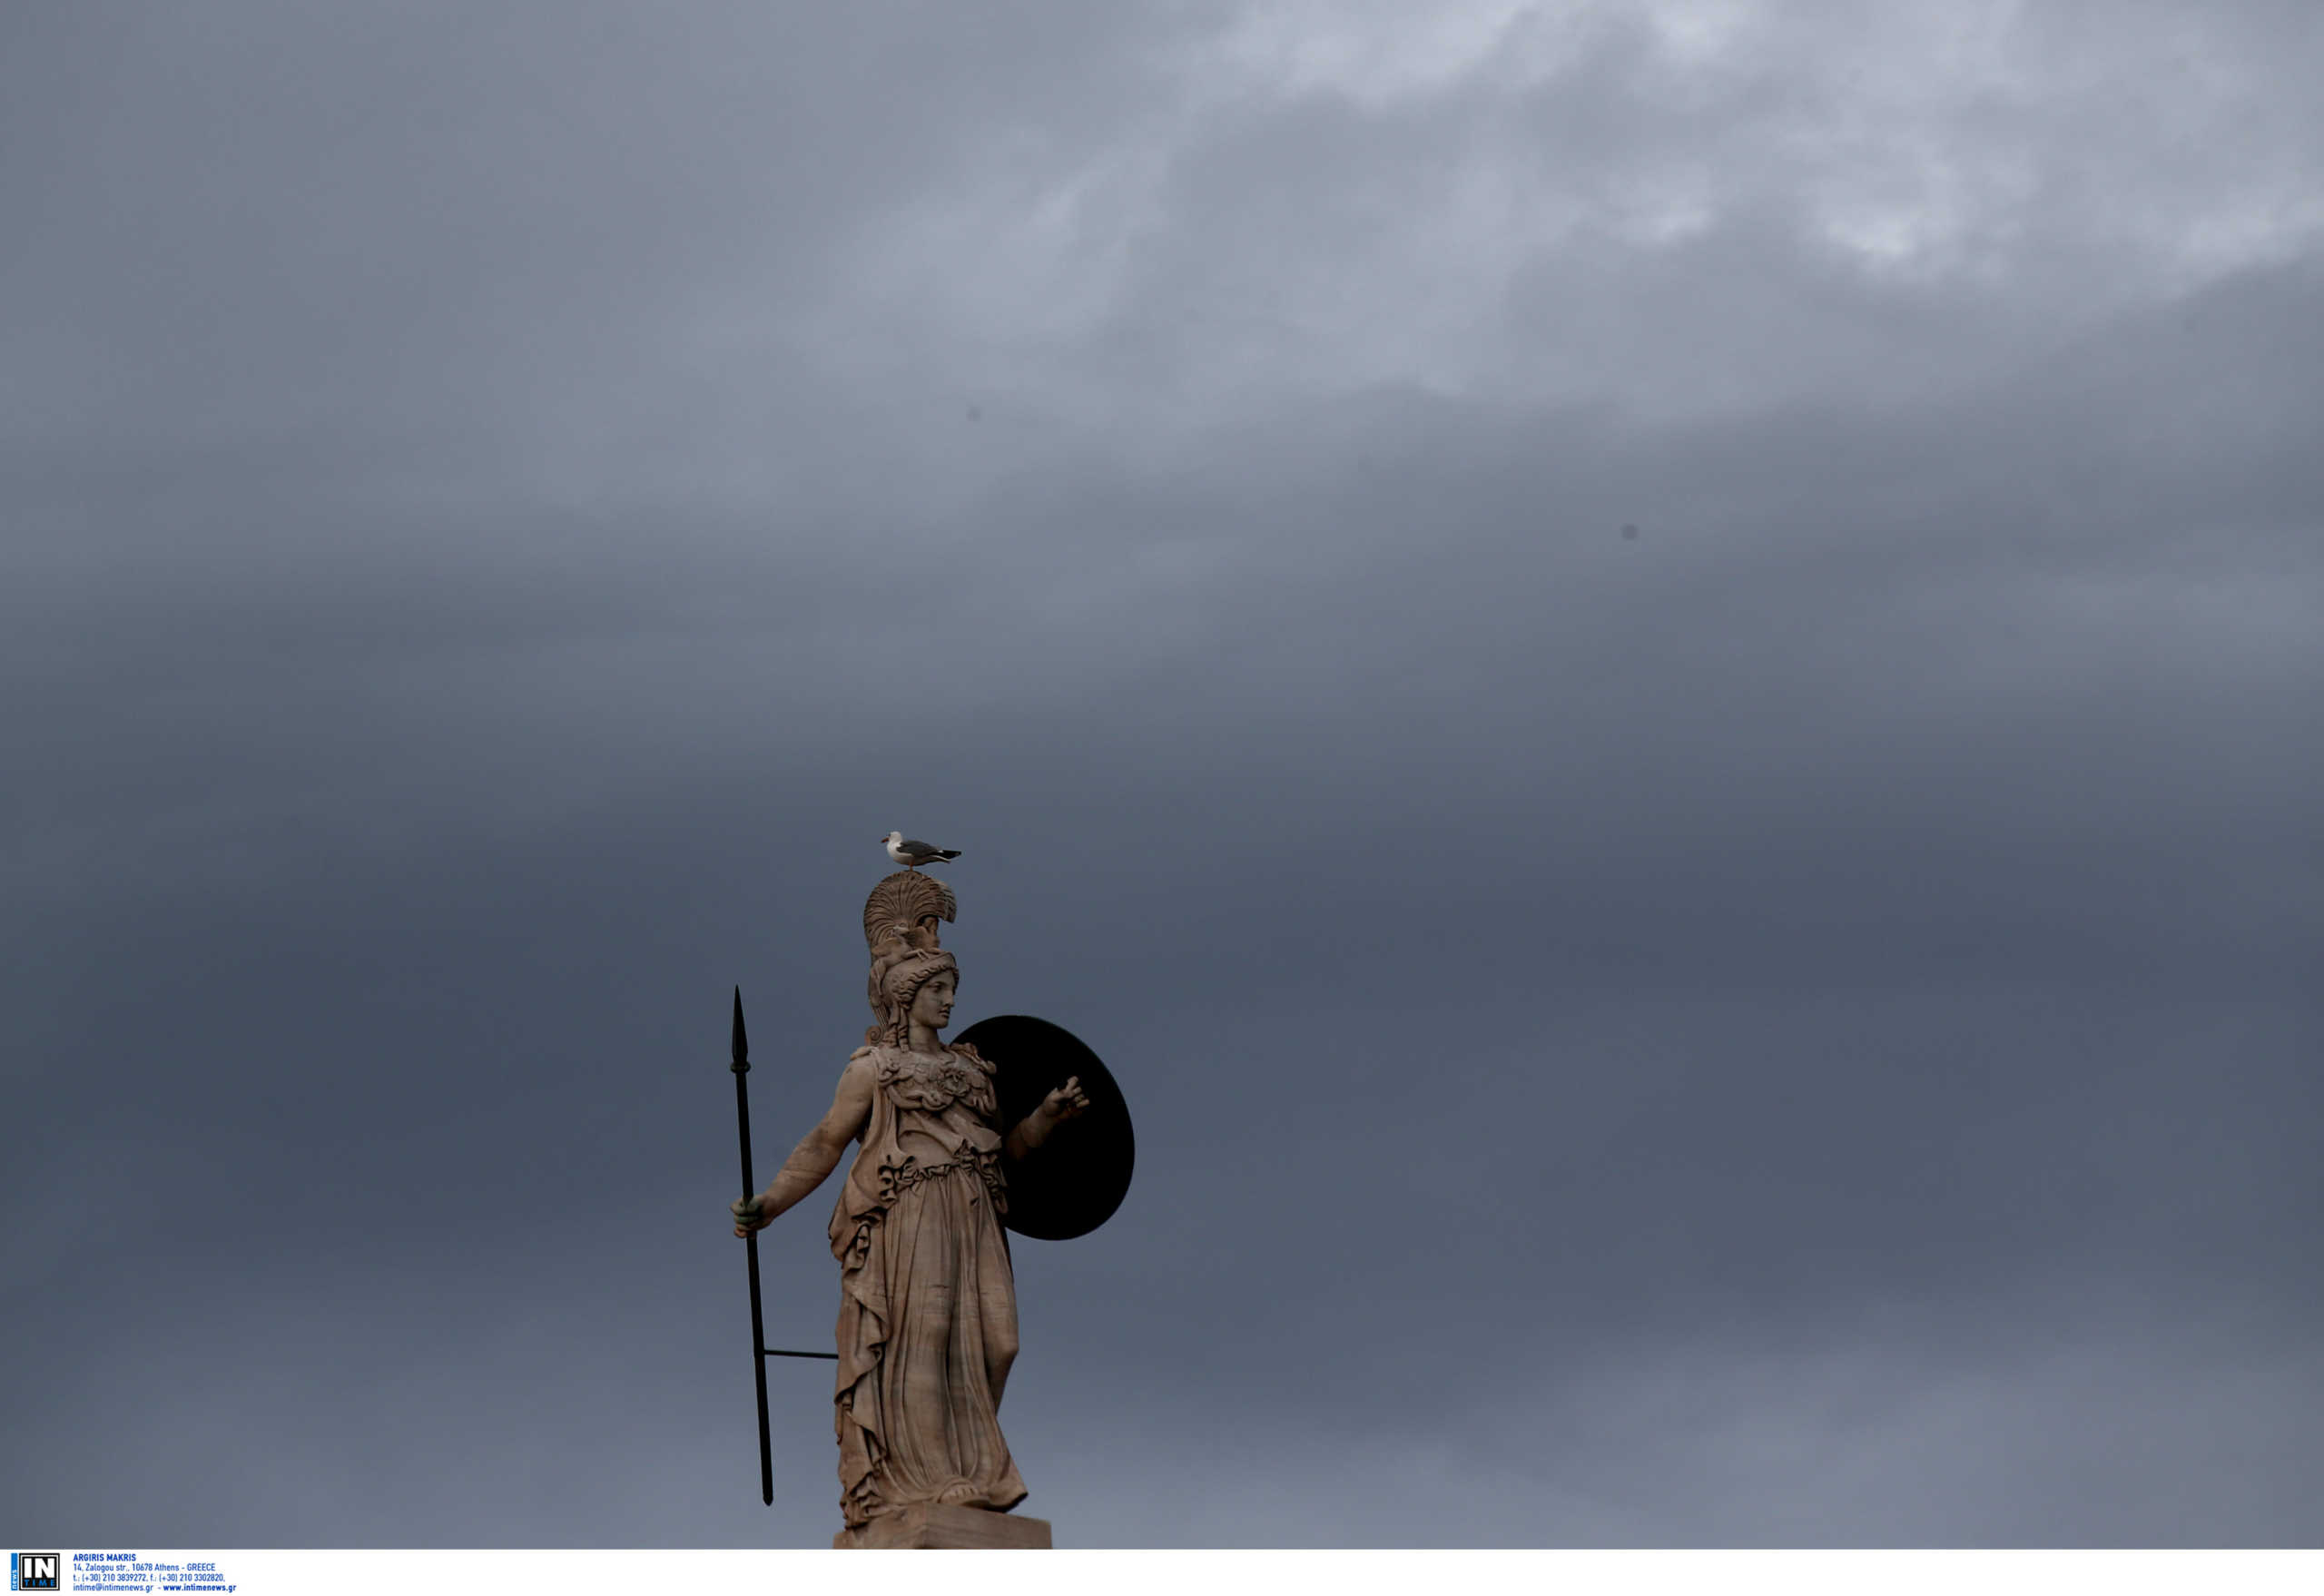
(927, 1303)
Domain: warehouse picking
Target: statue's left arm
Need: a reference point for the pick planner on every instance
(1065, 1103)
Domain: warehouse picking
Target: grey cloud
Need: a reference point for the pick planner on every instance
(1790, 1026)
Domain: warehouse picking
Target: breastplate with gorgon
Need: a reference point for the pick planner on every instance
(933, 1082)
(933, 1085)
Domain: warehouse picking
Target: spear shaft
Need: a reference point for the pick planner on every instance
(741, 1068)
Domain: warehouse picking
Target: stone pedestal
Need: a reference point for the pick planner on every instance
(938, 1527)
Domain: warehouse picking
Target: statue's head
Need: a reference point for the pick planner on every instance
(917, 986)
(931, 1001)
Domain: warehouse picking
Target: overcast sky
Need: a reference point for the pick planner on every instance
(1650, 671)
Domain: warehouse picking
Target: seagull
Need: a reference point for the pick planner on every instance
(910, 852)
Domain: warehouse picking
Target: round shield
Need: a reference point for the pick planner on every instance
(1073, 1182)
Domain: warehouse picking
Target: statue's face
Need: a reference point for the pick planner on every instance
(931, 1006)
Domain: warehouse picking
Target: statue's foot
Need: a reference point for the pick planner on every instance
(961, 1494)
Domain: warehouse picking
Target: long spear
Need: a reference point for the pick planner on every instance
(750, 1189)
(759, 1348)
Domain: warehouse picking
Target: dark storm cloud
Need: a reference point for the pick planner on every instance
(1790, 1026)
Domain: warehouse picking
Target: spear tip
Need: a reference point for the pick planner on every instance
(742, 1040)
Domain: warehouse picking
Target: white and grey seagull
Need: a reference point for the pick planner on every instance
(913, 853)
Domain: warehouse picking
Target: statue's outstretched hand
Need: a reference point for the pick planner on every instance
(1066, 1102)
(748, 1216)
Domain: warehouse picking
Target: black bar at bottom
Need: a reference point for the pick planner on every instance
(769, 1352)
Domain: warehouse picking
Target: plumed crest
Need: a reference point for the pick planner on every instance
(901, 902)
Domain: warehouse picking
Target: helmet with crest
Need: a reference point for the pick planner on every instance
(899, 922)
